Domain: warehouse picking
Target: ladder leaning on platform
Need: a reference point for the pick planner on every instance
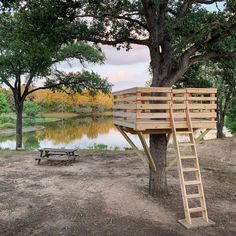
(189, 165)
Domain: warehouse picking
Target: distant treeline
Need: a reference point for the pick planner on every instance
(50, 101)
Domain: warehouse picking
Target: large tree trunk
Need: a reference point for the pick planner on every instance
(19, 112)
(158, 142)
(157, 180)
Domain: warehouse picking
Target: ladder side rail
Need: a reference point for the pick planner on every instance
(198, 175)
(180, 170)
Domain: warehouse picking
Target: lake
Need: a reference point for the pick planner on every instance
(80, 133)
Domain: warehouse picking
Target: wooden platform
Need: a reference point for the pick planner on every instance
(196, 223)
(148, 109)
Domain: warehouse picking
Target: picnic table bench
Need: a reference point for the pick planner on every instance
(56, 154)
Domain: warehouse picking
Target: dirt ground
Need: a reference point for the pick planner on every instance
(106, 193)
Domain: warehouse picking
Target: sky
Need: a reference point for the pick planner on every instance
(122, 69)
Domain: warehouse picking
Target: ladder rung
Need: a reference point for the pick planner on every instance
(189, 169)
(195, 195)
(186, 144)
(192, 182)
(196, 209)
(187, 157)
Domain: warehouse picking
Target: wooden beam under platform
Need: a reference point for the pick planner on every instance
(149, 159)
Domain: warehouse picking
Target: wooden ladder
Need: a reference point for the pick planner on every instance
(192, 189)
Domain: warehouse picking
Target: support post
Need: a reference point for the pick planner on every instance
(149, 159)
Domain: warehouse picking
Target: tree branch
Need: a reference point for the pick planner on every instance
(212, 56)
(27, 86)
(121, 17)
(5, 81)
(188, 3)
(45, 87)
(183, 65)
(117, 41)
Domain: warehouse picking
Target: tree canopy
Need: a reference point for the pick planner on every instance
(33, 40)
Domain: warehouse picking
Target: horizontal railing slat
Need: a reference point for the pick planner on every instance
(125, 99)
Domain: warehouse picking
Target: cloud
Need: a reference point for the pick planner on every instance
(135, 55)
(122, 69)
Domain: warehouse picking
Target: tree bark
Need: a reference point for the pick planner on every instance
(158, 180)
(158, 142)
(220, 126)
(19, 113)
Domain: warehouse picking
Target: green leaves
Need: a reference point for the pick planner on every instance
(81, 51)
(78, 82)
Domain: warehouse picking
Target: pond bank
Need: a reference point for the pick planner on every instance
(5, 132)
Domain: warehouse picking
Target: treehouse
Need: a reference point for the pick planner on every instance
(172, 112)
(148, 109)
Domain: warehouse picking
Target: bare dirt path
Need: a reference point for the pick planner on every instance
(105, 193)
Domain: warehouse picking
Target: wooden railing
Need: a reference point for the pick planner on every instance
(149, 108)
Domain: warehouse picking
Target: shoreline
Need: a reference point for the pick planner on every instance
(7, 132)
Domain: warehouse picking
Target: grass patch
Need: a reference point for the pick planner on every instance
(7, 126)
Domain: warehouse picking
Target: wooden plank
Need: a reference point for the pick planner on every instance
(202, 114)
(57, 149)
(124, 123)
(201, 90)
(202, 98)
(179, 98)
(146, 149)
(175, 106)
(153, 98)
(138, 152)
(124, 99)
(202, 106)
(204, 124)
(196, 223)
(124, 114)
(129, 120)
(124, 106)
(154, 89)
(153, 106)
(176, 91)
(125, 91)
(152, 115)
(177, 115)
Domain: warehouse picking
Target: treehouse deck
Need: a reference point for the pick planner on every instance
(148, 109)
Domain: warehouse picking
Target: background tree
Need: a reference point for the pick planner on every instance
(220, 75)
(178, 33)
(231, 114)
(33, 38)
(226, 85)
(4, 106)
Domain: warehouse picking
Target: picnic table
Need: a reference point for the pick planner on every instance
(56, 154)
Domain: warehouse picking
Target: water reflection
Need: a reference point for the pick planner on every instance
(76, 133)
(72, 133)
